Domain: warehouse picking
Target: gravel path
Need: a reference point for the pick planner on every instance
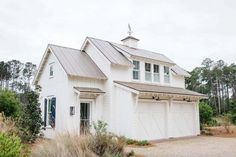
(203, 146)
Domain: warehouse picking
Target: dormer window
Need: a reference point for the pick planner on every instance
(51, 70)
(166, 74)
(156, 73)
(136, 70)
(148, 73)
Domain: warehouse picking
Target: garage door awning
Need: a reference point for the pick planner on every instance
(150, 88)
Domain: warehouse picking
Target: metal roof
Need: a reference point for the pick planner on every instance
(110, 52)
(76, 62)
(180, 71)
(89, 90)
(114, 52)
(144, 87)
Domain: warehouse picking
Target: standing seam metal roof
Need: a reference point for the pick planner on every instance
(113, 52)
(76, 62)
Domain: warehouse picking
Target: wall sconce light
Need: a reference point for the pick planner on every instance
(72, 110)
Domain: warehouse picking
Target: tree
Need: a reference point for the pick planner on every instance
(30, 121)
(206, 113)
(9, 104)
(28, 72)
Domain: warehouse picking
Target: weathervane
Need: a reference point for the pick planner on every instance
(129, 30)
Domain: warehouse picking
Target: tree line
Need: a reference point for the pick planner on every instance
(217, 80)
(16, 76)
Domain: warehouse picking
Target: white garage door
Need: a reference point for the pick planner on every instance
(183, 119)
(151, 120)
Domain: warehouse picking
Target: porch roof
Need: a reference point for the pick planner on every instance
(151, 88)
(89, 90)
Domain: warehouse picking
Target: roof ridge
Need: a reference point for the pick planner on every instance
(113, 43)
(64, 47)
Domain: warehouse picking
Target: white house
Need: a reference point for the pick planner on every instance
(139, 93)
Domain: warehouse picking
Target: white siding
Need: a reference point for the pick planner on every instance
(56, 86)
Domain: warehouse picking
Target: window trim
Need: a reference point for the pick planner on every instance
(148, 72)
(51, 67)
(136, 70)
(167, 75)
(156, 73)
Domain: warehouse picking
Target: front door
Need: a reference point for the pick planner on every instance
(84, 117)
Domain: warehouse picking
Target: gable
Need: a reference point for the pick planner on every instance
(73, 61)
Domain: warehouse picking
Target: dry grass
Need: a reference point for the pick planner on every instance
(220, 131)
(7, 125)
(64, 146)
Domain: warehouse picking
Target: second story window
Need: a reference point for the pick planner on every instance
(166, 74)
(136, 70)
(148, 73)
(156, 74)
(51, 70)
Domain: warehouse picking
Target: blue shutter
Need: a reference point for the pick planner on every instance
(53, 111)
(45, 112)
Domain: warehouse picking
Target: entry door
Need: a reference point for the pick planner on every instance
(84, 117)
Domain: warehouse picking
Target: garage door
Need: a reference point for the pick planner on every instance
(151, 120)
(183, 119)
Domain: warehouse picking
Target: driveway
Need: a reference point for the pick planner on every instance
(202, 146)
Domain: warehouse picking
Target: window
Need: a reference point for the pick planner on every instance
(136, 70)
(156, 74)
(50, 112)
(148, 73)
(51, 71)
(166, 74)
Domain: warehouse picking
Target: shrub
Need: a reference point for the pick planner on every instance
(106, 144)
(226, 122)
(9, 104)
(10, 146)
(138, 143)
(206, 113)
(30, 121)
(233, 117)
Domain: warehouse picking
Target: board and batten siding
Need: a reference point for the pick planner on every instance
(56, 86)
(105, 66)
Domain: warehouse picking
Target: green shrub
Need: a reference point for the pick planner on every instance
(233, 116)
(206, 113)
(10, 146)
(138, 143)
(9, 104)
(30, 121)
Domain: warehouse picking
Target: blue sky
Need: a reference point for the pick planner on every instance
(187, 31)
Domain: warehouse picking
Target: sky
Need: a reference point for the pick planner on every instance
(186, 31)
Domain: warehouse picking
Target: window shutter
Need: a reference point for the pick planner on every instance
(45, 112)
(53, 111)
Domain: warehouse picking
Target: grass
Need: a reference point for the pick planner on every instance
(137, 143)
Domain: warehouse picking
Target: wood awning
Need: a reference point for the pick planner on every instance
(144, 89)
(87, 92)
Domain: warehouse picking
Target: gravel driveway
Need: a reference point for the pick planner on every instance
(202, 146)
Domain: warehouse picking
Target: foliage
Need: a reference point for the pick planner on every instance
(215, 79)
(206, 113)
(10, 146)
(9, 103)
(65, 146)
(30, 121)
(103, 143)
(233, 118)
(7, 125)
(16, 76)
(138, 143)
(226, 122)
